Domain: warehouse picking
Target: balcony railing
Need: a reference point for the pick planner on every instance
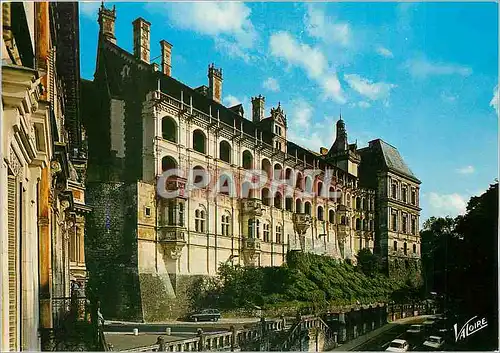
(70, 308)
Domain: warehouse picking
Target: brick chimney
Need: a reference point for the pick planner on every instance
(166, 57)
(141, 39)
(258, 108)
(106, 22)
(214, 83)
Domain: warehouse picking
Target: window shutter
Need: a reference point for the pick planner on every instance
(12, 259)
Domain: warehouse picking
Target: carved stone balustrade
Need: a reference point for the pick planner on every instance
(172, 240)
(252, 207)
(251, 249)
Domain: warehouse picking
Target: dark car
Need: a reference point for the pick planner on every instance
(206, 315)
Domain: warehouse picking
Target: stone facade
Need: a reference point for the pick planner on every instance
(39, 215)
(143, 124)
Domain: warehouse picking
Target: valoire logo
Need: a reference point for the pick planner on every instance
(470, 327)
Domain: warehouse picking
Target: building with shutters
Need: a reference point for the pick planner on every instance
(42, 169)
(146, 247)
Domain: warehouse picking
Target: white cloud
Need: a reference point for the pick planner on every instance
(271, 84)
(446, 205)
(385, 52)
(231, 101)
(284, 46)
(332, 89)
(232, 49)
(371, 90)
(364, 104)
(421, 68)
(301, 114)
(466, 170)
(312, 60)
(494, 100)
(89, 9)
(319, 26)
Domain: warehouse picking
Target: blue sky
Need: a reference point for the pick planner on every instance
(422, 77)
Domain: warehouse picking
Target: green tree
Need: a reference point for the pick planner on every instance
(368, 262)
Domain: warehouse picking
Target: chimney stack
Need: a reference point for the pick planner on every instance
(166, 57)
(258, 108)
(215, 83)
(141, 39)
(106, 21)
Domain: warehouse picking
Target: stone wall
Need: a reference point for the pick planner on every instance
(111, 249)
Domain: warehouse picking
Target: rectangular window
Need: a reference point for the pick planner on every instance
(413, 226)
(148, 211)
(413, 197)
(404, 224)
(394, 191)
(225, 225)
(266, 232)
(404, 194)
(395, 245)
(278, 235)
(394, 222)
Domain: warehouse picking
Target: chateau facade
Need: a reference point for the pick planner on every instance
(256, 195)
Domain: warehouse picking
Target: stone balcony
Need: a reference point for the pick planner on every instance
(172, 239)
(252, 207)
(175, 183)
(251, 249)
(302, 222)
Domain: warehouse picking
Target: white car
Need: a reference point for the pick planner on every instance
(415, 329)
(398, 345)
(434, 342)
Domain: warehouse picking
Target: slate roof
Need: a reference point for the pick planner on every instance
(381, 155)
(393, 159)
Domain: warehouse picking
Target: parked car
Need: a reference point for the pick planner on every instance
(206, 315)
(434, 342)
(398, 345)
(415, 329)
(428, 325)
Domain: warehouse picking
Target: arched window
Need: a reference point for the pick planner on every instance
(225, 151)
(298, 206)
(225, 185)
(358, 224)
(246, 190)
(277, 171)
(358, 203)
(168, 163)
(200, 176)
(348, 200)
(199, 221)
(343, 220)
(309, 184)
(395, 244)
(320, 213)
(331, 216)
(247, 160)
(225, 224)
(332, 193)
(265, 196)
(414, 248)
(199, 141)
(289, 176)
(266, 166)
(278, 200)
(405, 248)
(288, 204)
(320, 188)
(371, 225)
(365, 204)
(300, 182)
(307, 208)
(169, 129)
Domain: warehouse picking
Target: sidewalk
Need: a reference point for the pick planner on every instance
(348, 346)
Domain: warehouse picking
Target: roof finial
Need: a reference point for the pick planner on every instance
(340, 113)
